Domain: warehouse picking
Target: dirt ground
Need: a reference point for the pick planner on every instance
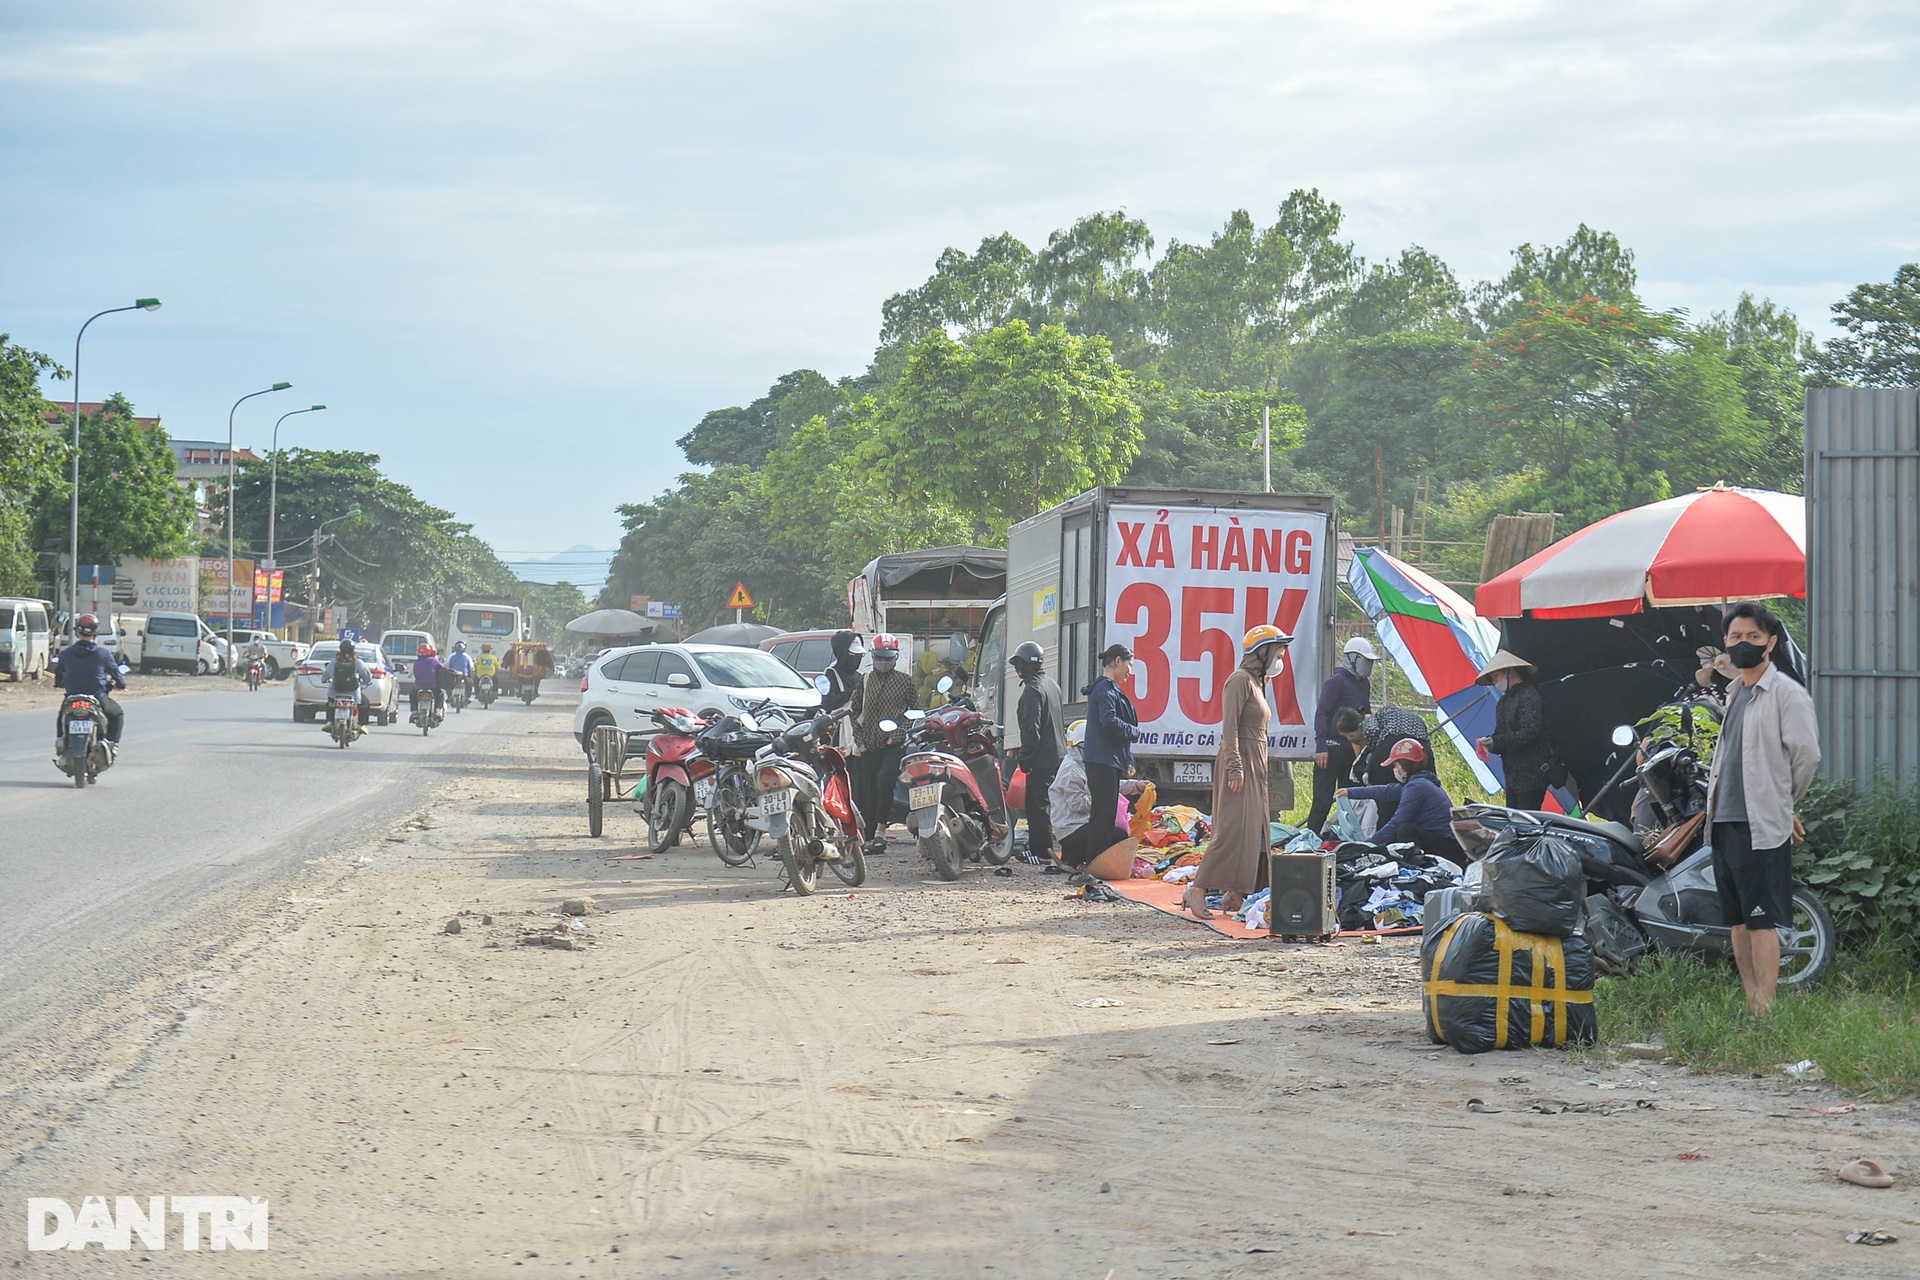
(18, 695)
(910, 1079)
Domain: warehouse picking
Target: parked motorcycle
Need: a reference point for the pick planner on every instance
(485, 691)
(734, 824)
(956, 787)
(679, 778)
(343, 719)
(85, 752)
(1633, 905)
(806, 804)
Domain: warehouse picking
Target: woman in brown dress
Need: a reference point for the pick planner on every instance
(1236, 857)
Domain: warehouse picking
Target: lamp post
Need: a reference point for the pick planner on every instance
(73, 575)
(313, 603)
(273, 504)
(278, 386)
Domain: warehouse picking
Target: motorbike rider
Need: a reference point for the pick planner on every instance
(86, 667)
(426, 677)
(256, 651)
(886, 694)
(348, 673)
(1043, 741)
(487, 665)
(843, 677)
(460, 662)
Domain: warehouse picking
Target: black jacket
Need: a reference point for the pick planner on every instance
(85, 667)
(1043, 738)
(1520, 736)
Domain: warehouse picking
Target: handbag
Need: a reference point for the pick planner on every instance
(1676, 842)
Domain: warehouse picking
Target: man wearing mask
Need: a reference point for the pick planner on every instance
(843, 677)
(885, 694)
(1043, 741)
(1333, 754)
(1519, 736)
(1768, 752)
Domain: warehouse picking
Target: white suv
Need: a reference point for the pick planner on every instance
(625, 687)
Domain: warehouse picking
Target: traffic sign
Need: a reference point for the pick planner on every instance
(741, 600)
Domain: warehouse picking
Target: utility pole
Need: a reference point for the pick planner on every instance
(1266, 445)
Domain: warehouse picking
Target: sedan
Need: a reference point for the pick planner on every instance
(310, 686)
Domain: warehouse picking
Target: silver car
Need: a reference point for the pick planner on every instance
(310, 686)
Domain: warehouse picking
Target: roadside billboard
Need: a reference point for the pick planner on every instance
(221, 603)
(140, 586)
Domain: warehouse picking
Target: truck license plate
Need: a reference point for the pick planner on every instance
(925, 796)
(82, 727)
(1196, 773)
(774, 802)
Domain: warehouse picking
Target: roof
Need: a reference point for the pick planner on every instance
(63, 412)
(939, 564)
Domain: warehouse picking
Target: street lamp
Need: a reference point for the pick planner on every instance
(278, 386)
(314, 603)
(273, 503)
(73, 576)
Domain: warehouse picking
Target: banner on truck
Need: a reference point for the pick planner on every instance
(1184, 584)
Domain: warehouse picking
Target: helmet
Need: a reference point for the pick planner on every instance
(1362, 646)
(1077, 733)
(886, 647)
(1264, 635)
(1408, 750)
(1028, 658)
(459, 646)
(86, 625)
(424, 651)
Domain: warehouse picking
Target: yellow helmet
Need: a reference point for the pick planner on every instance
(1264, 635)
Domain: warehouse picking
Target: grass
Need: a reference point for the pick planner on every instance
(1861, 1025)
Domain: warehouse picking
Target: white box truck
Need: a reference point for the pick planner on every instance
(1178, 576)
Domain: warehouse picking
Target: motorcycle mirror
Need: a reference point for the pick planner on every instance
(1623, 735)
(945, 684)
(1686, 721)
(125, 669)
(888, 726)
(916, 714)
(748, 723)
(824, 685)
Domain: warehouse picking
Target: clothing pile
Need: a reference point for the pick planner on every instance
(1254, 912)
(1177, 824)
(1388, 889)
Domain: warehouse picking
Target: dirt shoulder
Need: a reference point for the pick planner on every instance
(23, 694)
(910, 1079)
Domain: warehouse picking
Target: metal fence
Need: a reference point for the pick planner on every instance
(1863, 578)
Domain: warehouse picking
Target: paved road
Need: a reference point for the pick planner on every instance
(110, 897)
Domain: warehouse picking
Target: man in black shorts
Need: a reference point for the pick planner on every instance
(1768, 752)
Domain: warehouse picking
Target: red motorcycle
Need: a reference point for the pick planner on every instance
(956, 787)
(679, 778)
(806, 802)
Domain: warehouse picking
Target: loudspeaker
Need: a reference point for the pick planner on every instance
(1306, 895)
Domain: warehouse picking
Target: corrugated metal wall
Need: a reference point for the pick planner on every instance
(1863, 578)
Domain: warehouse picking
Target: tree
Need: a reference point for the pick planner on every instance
(1092, 279)
(746, 436)
(1009, 422)
(1614, 405)
(965, 295)
(29, 460)
(1591, 264)
(1882, 343)
(131, 500)
(1773, 357)
(552, 608)
(1416, 294)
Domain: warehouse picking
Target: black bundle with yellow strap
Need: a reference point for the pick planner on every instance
(1485, 985)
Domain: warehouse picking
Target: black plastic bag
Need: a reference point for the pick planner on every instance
(1487, 986)
(1534, 881)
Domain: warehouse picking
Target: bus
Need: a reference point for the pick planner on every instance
(494, 620)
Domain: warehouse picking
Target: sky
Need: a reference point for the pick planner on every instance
(518, 249)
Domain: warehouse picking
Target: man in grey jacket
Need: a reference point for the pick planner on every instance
(1768, 752)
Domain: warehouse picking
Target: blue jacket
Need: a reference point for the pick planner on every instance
(1112, 725)
(460, 662)
(1423, 807)
(1342, 689)
(85, 667)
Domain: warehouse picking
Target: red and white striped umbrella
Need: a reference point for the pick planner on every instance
(1701, 548)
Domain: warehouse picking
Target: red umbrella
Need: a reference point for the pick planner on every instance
(1701, 548)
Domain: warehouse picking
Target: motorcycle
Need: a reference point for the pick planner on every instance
(679, 778)
(85, 752)
(1634, 906)
(484, 690)
(457, 696)
(343, 722)
(806, 804)
(734, 821)
(255, 674)
(426, 712)
(956, 787)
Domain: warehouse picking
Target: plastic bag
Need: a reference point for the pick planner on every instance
(1346, 820)
(1487, 986)
(1535, 883)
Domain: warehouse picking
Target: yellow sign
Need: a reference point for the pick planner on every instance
(1046, 607)
(741, 600)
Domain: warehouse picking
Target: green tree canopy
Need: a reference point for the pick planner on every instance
(131, 500)
(29, 460)
(746, 436)
(551, 608)
(1882, 343)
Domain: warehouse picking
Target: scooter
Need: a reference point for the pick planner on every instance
(426, 712)
(485, 691)
(734, 817)
(956, 787)
(806, 804)
(343, 725)
(85, 752)
(1634, 906)
(457, 696)
(679, 778)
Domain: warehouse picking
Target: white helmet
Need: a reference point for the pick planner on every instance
(1362, 646)
(1077, 733)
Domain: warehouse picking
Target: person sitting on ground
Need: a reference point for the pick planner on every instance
(1070, 806)
(1423, 813)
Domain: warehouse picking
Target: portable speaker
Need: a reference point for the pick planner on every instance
(1306, 895)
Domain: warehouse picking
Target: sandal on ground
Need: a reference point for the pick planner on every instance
(1866, 1173)
(1199, 912)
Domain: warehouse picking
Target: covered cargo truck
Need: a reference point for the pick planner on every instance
(928, 595)
(1178, 576)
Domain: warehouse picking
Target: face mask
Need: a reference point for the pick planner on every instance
(1360, 665)
(1399, 773)
(1747, 655)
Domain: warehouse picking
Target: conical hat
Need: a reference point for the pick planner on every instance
(1504, 661)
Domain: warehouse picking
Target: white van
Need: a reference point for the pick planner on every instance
(26, 638)
(173, 640)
